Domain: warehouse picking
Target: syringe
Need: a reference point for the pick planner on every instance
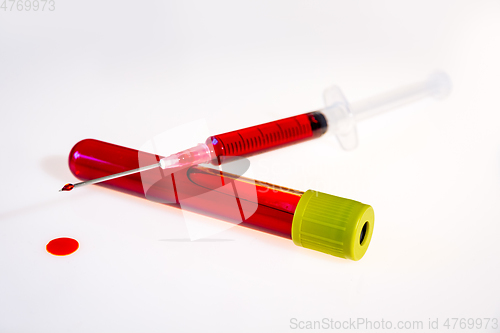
(338, 117)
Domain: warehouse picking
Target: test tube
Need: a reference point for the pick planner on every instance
(315, 220)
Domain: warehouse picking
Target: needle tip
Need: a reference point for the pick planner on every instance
(67, 187)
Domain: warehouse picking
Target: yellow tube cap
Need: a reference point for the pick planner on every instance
(333, 225)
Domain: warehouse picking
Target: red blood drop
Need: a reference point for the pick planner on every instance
(62, 246)
(68, 187)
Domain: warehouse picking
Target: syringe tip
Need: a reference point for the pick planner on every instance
(67, 187)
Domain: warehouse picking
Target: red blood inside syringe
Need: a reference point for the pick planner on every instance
(263, 137)
(251, 140)
(232, 198)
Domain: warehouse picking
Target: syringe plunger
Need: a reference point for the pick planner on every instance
(343, 116)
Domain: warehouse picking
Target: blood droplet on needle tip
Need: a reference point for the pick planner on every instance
(67, 187)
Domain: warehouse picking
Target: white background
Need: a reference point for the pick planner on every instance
(125, 71)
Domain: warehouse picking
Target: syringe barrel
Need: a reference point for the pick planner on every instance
(268, 136)
(322, 222)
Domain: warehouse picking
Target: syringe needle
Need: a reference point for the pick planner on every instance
(196, 155)
(69, 187)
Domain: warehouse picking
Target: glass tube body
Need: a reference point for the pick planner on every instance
(208, 191)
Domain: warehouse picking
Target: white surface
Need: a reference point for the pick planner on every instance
(124, 71)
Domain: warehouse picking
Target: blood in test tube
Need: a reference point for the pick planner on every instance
(258, 205)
